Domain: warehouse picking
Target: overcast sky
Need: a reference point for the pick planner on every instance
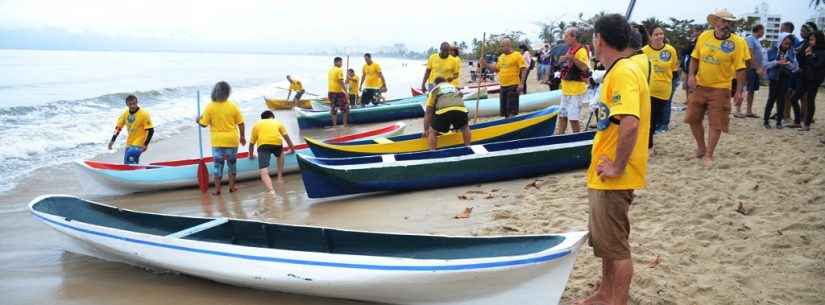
(318, 24)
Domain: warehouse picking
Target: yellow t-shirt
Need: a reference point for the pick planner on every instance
(644, 64)
(268, 131)
(372, 79)
(431, 97)
(663, 62)
(223, 119)
(334, 77)
(719, 59)
(509, 69)
(136, 126)
(442, 67)
(624, 91)
(573, 87)
(296, 85)
(353, 84)
(457, 81)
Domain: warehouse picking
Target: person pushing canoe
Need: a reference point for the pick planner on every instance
(295, 85)
(269, 134)
(445, 112)
(139, 126)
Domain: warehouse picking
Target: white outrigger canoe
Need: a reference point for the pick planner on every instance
(369, 266)
(183, 173)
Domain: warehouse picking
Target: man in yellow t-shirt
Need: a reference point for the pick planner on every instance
(295, 85)
(440, 64)
(618, 160)
(718, 57)
(512, 70)
(226, 130)
(139, 126)
(575, 70)
(268, 134)
(372, 80)
(664, 63)
(336, 93)
(352, 88)
(445, 111)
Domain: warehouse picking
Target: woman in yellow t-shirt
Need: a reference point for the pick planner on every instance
(226, 130)
(664, 64)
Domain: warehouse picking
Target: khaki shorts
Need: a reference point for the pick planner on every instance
(609, 223)
(715, 102)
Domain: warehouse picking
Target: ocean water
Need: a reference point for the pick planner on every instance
(60, 106)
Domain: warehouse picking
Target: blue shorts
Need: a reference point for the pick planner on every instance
(132, 155)
(753, 81)
(221, 154)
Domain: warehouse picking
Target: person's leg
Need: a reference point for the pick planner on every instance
(514, 104)
(333, 108)
(753, 86)
(749, 101)
(808, 101)
(695, 113)
(562, 125)
(794, 105)
(266, 180)
(218, 163)
(718, 120)
(773, 92)
(432, 138)
(231, 164)
(344, 108)
(575, 112)
(264, 152)
(621, 275)
(656, 106)
(281, 167)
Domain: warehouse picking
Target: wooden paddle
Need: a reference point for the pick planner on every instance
(203, 173)
(305, 92)
(478, 91)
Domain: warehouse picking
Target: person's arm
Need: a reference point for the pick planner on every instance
(428, 118)
(343, 85)
(381, 75)
(492, 67)
(151, 132)
(741, 77)
(522, 76)
(289, 93)
(628, 132)
(424, 81)
(581, 65)
(694, 65)
(251, 150)
(114, 137)
(241, 130)
(290, 148)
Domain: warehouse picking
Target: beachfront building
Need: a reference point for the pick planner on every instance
(819, 18)
(771, 22)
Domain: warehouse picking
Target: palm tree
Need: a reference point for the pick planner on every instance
(546, 31)
(652, 22)
(815, 3)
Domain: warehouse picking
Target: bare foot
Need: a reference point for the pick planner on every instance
(707, 161)
(233, 189)
(700, 153)
(595, 299)
(217, 193)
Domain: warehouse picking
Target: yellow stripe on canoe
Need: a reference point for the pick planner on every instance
(447, 140)
(382, 140)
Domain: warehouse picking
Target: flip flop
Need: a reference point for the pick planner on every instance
(739, 115)
(751, 115)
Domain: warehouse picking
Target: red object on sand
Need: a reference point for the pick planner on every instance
(203, 176)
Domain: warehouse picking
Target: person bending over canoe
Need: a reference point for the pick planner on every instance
(226, 129)
(269, 134)
(337, 94)
(445, 112)
(140, 129)
(295, 85)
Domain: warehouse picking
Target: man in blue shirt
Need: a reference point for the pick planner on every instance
(755, 70)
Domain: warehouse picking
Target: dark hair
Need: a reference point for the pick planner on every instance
(820, 40)
(757, 28)
(267, 114)
(788, 25)
(131, 97)
(644, 39)
(653, 29)
(351, 70)
(221, 91)
(368, 55)
(439, 80)
(812, 26)
(523, 47)
(614, 30)
(336, 59)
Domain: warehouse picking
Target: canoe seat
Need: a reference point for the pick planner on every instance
(387, 158)
(382, 140)
(479, 149)
(204, 226)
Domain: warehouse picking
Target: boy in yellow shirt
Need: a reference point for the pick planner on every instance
(353, 88)
(268, 134)
(140, 128)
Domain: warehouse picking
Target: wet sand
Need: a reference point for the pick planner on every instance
(769, 252)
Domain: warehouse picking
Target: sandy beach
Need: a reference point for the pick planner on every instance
(747, 231)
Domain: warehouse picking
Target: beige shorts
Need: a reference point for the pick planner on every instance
(609, 223)
(715, 102)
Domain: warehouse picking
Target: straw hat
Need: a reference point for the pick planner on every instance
(719, 15)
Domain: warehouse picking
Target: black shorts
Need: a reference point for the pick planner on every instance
(456, 119)
(299, 94)
(264, 154)
(508, 101)
(338, 101)
(369, 97)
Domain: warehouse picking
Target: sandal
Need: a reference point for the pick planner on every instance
(751, 115)
(739, 115)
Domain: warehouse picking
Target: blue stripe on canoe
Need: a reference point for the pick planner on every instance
(535, 260)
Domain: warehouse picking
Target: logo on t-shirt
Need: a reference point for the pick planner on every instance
(665, 55)
(602, 117)
(728, 46)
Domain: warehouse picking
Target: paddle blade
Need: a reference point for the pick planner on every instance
(203, 177)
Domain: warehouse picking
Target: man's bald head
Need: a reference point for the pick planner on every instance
(507, 45)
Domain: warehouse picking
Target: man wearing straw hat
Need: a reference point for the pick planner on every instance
(718, 58)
